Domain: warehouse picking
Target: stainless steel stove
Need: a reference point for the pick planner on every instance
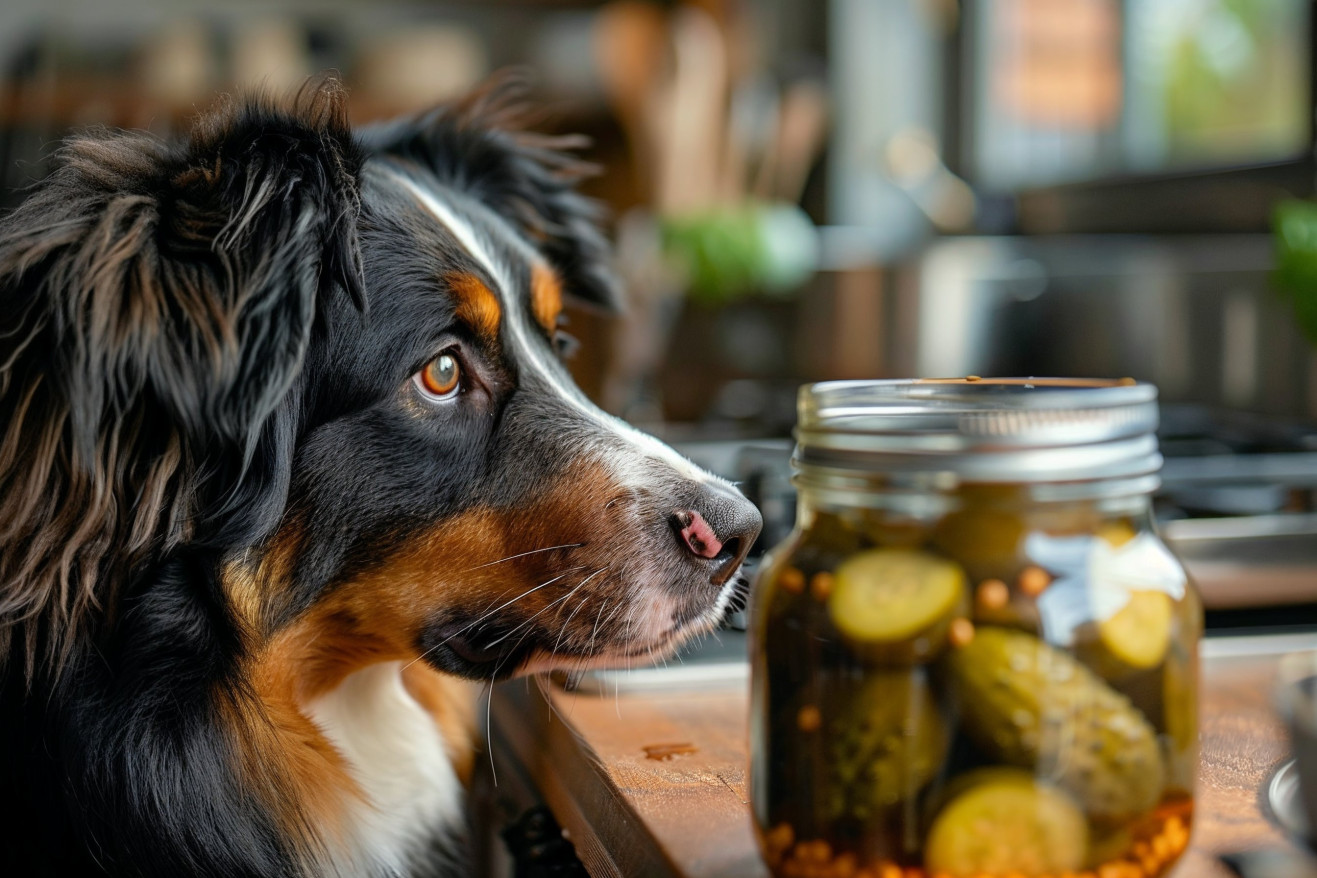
(1239, 504)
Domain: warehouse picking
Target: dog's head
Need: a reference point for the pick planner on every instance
(317, 378)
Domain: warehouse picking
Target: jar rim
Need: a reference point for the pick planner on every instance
(982, 429)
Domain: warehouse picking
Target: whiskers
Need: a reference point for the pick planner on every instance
(562, 629)
(523, 555)
(484, 616)
(739, 598)
(545, 609)
(493, 677)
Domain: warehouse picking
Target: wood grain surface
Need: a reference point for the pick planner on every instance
(655, 783)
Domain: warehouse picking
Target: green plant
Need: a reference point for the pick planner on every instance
(1295, 227)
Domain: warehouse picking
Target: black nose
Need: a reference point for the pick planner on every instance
(720, 526)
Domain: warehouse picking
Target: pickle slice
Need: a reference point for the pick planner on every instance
(898, 600)
(1134, 635)
(1139, 633)
(1115, 533)
(988, 542)
(1007, 823)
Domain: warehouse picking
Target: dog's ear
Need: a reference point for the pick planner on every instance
(479, 146)
(157, 302)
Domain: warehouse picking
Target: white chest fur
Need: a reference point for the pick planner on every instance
(396, 755)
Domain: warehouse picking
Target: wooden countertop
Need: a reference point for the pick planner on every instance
(631, 814)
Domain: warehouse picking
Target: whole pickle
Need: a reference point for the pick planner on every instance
(1031, 705)
(888, 740)
(989, 542)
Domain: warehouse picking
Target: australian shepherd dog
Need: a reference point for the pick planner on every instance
(289, 460)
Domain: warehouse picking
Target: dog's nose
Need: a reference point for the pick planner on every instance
(720, 527)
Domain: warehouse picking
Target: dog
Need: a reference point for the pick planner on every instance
(290, 464)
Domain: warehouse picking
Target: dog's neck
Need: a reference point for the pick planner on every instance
(395, 728)
(371, 754)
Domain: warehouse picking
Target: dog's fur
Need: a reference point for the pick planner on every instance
(249, 568)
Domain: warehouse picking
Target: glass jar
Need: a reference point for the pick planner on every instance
(973, 656)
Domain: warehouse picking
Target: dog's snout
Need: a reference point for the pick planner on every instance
(719, 527)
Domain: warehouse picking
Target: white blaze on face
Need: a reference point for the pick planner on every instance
(537, 354)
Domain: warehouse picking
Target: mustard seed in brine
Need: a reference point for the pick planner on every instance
(1034, 581)
(961, 632)
(993, 594)
(809, 719)
(792, 580)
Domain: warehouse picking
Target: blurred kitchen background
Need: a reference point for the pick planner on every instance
(814, 189)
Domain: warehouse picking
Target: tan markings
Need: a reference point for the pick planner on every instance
(466, 562)
(256, 584)
(545, 296)
(286, 762)
(476, 304)
(238, 579)
(377, 616)
(452, 704)
(284, 757)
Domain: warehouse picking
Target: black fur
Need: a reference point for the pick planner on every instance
(159, 301)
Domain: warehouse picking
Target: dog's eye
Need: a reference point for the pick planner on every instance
(441, 378)
(563, 341)
(566, 344)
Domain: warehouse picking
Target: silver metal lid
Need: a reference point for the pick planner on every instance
(982, 430)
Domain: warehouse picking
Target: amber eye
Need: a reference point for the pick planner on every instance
(441, 378)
